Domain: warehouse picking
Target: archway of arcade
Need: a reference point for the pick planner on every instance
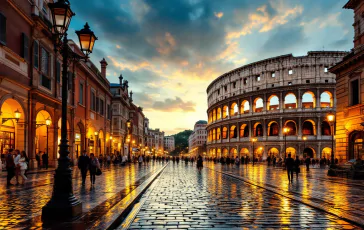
(309, 152)
(273, 152)
(292, 151)
(44, 134)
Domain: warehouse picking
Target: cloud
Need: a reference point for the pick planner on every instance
(177, 104)
(219, 14)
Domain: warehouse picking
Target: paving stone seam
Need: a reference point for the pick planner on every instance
(331, 211)
(118, 211)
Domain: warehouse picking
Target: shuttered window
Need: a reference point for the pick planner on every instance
(2, 29)
(25, 47)
(45, 62)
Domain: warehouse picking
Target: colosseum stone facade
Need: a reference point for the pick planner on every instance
(256, 101)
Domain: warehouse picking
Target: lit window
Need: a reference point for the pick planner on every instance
(273, 74)
(290, 83)
(290, 72)
(326, 69)
(258, 78)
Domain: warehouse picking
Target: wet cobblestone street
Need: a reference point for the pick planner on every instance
(183, 198)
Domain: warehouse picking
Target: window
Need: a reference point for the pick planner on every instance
(258, 88)
(81, 94)
(44, 62)
(354, 92)
(93, 101)
(289, 83)
(307, 81)
(234, 85)
(25, 47)
(44, 8)
(97, 104)
(326, 81)
(108, 111)
(290, 72)
(102, 110)
(218, 92)
(272, 85)
(36, 55)
(258, 78)
(225, 87)
(245, 81)
(273, 74)
(2, 29)
(326, 70)
(46, 82)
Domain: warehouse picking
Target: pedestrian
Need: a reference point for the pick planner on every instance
(336, 161)
(37, 158)
(45, 160)
(307, 162)
(108, 159)
(140, 160)
(23, 164)
(268, 160)
(199, 163)
(237, 161)
(94, 166)
(10, 166)
(83, 165)
(290, 167)
(274, 161)
(297, 166)
(17, 165)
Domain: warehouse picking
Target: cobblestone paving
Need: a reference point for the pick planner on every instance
(183, 198)
(342, 194)
(23, 202)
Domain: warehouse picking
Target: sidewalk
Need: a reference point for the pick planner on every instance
(31, 171)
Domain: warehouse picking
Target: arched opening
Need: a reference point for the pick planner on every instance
(309, 152)
(244, 130)
(273, 103)
(292, 151)
(325, 129)
(308, 100)
(244, 152)
(259, 151)
(233, 152)
(308, 128)
(225, 111)
(326, 100)
(233, 132)
(290, 101)
(218, 115)
(101, 144)
(210, 117)
(218, 152)
(210, 135)
(273, 152)
(225, 152)
(291, 125)
(214, 134)
(12, 134)
(218, 134)
(224, 132)
(258, 130)
(245, 107)
(258, 105)
(356, 145)
(214, 115)
(273, 129)
(234, 109)
(79, 139)
(44, 134)
(326, 152)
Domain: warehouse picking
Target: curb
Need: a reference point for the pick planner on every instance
(342, 215)
(114, 217)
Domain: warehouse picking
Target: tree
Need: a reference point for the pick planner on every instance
(181, 142)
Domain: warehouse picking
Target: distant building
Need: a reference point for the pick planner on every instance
(197, 140)
(155, 141)
(169, 144)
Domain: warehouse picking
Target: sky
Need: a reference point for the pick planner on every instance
(171, 50)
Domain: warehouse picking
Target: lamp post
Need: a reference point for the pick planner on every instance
(253, 140)
(63, 204)
(110, 144)
(304, 138)
(48, 123)
(331, 119)
(285, 131)
(16, 117)
(96, 142)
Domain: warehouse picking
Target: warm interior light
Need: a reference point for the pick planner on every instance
(96, 133)
(110, 137)
(48, 121)
(331, 117)
(17, 114)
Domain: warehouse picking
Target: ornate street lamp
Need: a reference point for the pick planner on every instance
(48, 122)
(285, 132)
(63, 204)
(253, 140)
(16, 117)
(96, 142)
(331, 120)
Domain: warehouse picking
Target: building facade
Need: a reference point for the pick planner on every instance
(155, 142)
(169, 144)
(349, 80)
(256, 101)
(197, 139)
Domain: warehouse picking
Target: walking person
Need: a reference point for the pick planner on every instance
(83, 165)
(94, 166)
(237, 161)
(308, 162)
(45, 160)
(37, 158)
(17, 165)
(140, 160)
(297, 163)
(199, 163)
(10, 167)
(290, 167)
(23, 164)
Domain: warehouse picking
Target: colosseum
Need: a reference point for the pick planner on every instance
(281, 104)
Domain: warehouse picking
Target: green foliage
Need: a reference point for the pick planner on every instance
(181, 142)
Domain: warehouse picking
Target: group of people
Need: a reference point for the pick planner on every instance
(88, 163)
(42, 159)
(16, 164)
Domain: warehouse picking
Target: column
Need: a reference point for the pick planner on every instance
(251, 104)
(318, 103)
(264, 130)
(31, 136)
(318, 128)
(280, 128)
(299, 131)
(299, 100)
(264, 102)
(250, 130)
(281, 101)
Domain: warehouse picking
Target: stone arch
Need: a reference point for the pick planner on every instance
(225, 111)
(273, 152)
(79, 138)
(292, 151)
(308, 100)
(225, 152)
(44, 132)
(218, 134)
(273, 128)
(210, 117)
(326, 152)
(10, 99)
(355, 144)
(224, 132)
(292, 125)
(218, 115)
(326, 99)
(233, 131)
(214, 115)
(214, 134)
(234, 109)
(244, 130)
(244, 152)
(258, 129)
(245, 107)
(308, 127)
(258, 105)
(290, 101)
(218, 152)
(233, 152)
(325, 128)
(273, 102)
(309, 152)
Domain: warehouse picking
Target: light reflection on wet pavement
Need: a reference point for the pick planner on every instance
(184, 198)
(23, 202)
